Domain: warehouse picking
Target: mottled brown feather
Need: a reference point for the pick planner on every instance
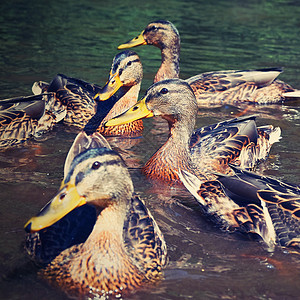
(219, 87)
(140, 258)
(124, 248)
(26, 117)
(262, 207)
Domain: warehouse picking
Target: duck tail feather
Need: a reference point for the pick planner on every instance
(39, 87)
(191, 182)
(275, 135)
(295, 94)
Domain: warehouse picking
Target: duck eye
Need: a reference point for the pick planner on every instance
(96, 165)
(154, 28)
(164, 91)
(129, 63)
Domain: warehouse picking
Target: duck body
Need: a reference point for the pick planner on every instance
(264, 208)
(119, 266)
(122, 250)
(78, 97)
(204, 151)
(28, 117)
(240, 86)
(212, 148)
(213, 88)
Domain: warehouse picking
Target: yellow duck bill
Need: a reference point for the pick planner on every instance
(137, 41)
(110, 88)
(65, 201)
(136, 112)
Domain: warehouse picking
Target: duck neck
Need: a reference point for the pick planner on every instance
(179, 140)
(170, 55)
(104, 221)
(103, 254)
(174, 155)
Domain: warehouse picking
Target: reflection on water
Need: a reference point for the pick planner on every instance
(40, 39)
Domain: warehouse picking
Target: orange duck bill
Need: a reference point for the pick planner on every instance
(137, 41)
(65, 201)
(136, 112)
(111, 87)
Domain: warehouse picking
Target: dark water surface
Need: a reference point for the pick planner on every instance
(40, 39)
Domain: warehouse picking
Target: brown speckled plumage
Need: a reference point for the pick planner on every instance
(213, 88)
(78, 96)
(124, 250)
(132, 129)
(23, 118)
(135, 260)
(234, 87)
(266, 209)
(207, 150)
(78, 100)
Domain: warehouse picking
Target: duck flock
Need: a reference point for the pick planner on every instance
(96, 237)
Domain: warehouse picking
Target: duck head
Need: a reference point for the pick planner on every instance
(173, 99)
(160, 34)
(126, 71)
(96, 176)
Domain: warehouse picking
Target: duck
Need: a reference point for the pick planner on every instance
(27, 117)
(263, 208)
(76, 94)
(84, 108)
(257, 86)
(203, 151)
(124, 248)
(125, 76)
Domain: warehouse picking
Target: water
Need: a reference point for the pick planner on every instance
(40, 39)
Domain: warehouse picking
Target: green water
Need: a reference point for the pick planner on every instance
(39, 39)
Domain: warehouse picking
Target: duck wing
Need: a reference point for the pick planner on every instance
(24, 117)
(283, 203)
(144, 240)
(217, 145)
(33, 106)
(232, 86)
(232, 205)
(77, 96)
(61, 80)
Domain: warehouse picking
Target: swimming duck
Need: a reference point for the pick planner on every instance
(204, 151)
(220, 87)
(125, 75)
(78, 96)
(266, 209)
(28, 117)
(125, 248)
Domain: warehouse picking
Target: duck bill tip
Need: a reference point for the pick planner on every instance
(110, 88)
(64, 202)
(136, 112)
(137, 41)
